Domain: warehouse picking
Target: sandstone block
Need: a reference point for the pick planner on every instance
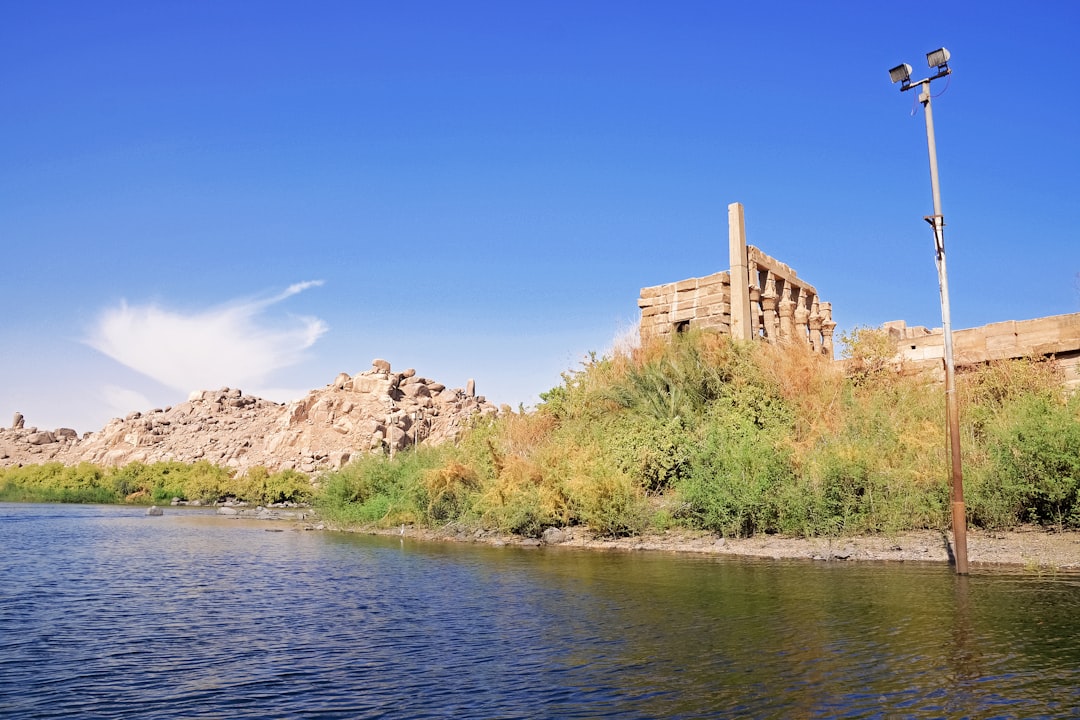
(416, 390)
(396, 438)
(372, 385)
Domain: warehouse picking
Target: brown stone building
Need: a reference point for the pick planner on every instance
(772, 302)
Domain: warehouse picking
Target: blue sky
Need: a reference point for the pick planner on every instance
(263, 195)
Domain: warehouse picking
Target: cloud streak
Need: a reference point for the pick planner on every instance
(231, 344)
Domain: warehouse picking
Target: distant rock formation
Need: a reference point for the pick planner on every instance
(375, 410)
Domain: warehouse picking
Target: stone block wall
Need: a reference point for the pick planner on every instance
(923, 350)
(703, 302)
(772, 303)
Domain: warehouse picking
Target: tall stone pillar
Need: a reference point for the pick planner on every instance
(802, 317)
(828, 327)
(768, 309)
(741, 329)
(787, 315)
(815, 326)
(755, 299)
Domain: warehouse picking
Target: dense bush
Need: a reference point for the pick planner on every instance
(154, 483)
(738, 439)
(379, 489)
(1035, 456)
(737, 471)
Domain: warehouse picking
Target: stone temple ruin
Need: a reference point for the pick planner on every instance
(771, 303)
(921, 350)
(774, 304)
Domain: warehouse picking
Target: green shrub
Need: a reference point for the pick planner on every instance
(654, 451)
(258, 485)
(378, 489)
(736, 471)
(53, 482)
(444, 493)
(612, 504)
(1036, 459)
(868, 355)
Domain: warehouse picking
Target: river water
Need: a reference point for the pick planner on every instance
(108, 613)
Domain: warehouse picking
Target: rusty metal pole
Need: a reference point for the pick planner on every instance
(937, 221)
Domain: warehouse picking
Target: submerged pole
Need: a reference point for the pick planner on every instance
(937, 221)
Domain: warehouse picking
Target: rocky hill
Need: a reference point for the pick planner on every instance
(372, 410)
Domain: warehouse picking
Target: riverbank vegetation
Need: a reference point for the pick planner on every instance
(156, 483)
(703, 433)
(699, 433)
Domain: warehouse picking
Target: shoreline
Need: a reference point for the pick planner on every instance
(1027, 548)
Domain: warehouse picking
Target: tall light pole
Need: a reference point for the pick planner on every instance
(939, 59)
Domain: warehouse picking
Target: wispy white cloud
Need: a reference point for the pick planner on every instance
(232, 344)
(121, 401)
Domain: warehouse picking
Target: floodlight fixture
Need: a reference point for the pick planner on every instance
(901, 73)
(938, 58)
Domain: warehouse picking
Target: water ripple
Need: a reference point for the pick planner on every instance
(105, 613)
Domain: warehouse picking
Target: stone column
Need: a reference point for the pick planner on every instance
(741, 329)
(787, 315)
(755, 299)
(802, 317)
(768, 309)
(827, 329)
(815, 326)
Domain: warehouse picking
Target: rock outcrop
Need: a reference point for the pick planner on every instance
(375, 410)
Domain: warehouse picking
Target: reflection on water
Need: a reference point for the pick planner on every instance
(107, 613)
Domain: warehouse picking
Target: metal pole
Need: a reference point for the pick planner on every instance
(937, 221)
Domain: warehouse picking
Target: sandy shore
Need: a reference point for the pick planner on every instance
(1026, 548)
(1030, 548)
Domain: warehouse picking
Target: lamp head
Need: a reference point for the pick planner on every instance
(938, 58)
(900, 73)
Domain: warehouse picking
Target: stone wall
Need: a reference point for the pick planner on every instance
(922, 350)
(773, 303)
(703, 303)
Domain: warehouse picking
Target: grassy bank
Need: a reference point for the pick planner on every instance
(155, 483)
(707, 434)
